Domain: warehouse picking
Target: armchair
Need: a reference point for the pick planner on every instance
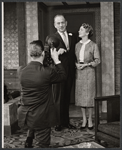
(109, 131)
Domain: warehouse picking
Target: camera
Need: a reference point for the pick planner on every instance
(51, 42)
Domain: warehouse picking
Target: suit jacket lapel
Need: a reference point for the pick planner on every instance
(69, 37)
(60, 39)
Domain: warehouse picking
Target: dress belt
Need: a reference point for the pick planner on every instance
(81, 62)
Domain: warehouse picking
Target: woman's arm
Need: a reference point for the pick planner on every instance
(96, 58)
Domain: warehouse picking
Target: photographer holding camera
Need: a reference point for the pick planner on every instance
(37, 111)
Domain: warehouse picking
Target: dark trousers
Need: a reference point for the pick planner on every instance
(42, 136)
(61, 94)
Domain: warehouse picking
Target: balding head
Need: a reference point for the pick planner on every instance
(60, 23)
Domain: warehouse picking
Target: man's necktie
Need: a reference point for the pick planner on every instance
(65, 40)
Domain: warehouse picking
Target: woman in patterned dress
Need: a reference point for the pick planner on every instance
(88, 58)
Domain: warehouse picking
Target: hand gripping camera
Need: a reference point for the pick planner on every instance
(51, 42)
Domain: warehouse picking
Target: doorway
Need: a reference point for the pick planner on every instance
(75, 17)
(75, 20)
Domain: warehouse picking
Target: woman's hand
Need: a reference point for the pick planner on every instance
(78, 66)
(81, 66)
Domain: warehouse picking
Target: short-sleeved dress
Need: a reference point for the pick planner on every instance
(85, 88)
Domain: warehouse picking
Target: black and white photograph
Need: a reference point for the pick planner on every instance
(61, 74)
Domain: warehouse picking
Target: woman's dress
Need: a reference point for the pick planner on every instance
(85, 88)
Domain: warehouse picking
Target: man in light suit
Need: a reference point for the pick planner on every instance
(37, 109)
(62, 91)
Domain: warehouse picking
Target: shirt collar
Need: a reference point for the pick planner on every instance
(85, 42)
(62, 32)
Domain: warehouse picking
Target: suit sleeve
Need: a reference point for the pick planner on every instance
(57, 74)
(19, 71)
(96, 56)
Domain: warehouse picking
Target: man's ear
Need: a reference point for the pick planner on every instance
(66, 23)
(43, 54)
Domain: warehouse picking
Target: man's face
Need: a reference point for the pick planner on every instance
(60, 23)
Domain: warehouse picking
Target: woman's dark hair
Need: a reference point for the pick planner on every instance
(36, 48)
(88, 29)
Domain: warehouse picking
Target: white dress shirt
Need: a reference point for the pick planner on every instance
(81, 54)
(64, 36)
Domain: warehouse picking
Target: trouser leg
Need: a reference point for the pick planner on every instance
(30, 133)
(30, 137)
(43, 137)
(66, 100)
(57, 93)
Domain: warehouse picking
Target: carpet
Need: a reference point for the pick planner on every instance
(66, 137)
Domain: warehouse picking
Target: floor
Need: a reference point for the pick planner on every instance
(64, 138)
(75, 111)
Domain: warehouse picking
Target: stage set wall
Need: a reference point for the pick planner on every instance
(28, 21)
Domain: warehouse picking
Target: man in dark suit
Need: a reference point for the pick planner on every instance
(37, 109)
(62, 91)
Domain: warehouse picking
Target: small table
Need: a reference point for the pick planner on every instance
(10, 116)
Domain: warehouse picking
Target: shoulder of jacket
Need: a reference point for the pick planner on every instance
(21, 67)
(92, 42)
(78, 44)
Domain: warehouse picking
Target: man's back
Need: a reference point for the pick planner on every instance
(35, 82)
(36, 91)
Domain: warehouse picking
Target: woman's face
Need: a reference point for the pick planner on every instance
(82, 32)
